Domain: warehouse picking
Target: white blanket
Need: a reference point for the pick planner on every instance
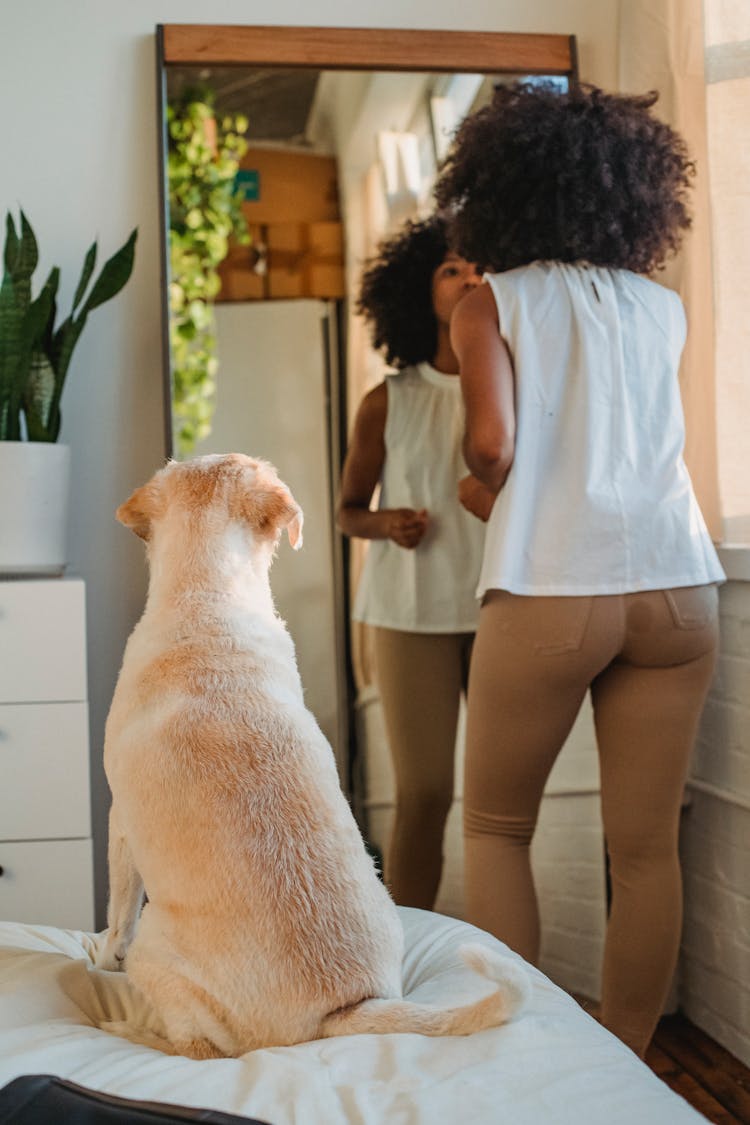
(552, 1065)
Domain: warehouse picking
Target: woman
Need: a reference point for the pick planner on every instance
(598, 572)
(418, 582)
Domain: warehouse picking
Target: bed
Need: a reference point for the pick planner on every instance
(553, 1063)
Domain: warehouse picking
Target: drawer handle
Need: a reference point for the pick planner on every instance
(2, 870)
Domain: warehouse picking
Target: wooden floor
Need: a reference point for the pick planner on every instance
(703, 1073)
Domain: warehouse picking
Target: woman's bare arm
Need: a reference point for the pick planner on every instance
(487, 386)
(361, 473)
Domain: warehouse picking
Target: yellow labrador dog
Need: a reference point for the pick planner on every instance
(266, 922)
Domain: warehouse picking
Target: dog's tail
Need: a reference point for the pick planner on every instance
(380, 1017)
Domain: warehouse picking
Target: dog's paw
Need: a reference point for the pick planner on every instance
(111, 957)
(109, 962)
(144, 1037)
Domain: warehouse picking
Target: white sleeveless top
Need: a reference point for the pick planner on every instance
(598, 499)
(432, 588)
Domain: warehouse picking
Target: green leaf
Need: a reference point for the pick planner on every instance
(36, 328)
(12, 244)
(51, 284)
(39, 397)
(114, 275)
(63, 342)
(27, 255)
(11, 373)
(88, 269)
(20, 324)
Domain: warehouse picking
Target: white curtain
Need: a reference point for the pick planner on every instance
(662, 48)
(728, 105)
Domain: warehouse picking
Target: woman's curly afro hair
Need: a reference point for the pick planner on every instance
(578, 176)
(396, 292)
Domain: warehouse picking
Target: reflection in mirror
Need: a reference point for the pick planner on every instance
(330, 162)
(326, 152)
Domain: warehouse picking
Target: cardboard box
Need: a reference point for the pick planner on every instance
(286, 260)
(294, 219)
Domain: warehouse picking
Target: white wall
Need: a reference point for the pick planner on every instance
(80, 155)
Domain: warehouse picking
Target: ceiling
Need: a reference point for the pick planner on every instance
(276, 102)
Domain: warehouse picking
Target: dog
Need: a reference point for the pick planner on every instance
(265, 922)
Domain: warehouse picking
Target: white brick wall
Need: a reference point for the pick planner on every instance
(715, 843)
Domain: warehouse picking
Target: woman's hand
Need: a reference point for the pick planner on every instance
(476, 497)
(362, 470)
(406, 527)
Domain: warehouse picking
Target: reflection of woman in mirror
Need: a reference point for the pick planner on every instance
(418, 584)
(598, 571)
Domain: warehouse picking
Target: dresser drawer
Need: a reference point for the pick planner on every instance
(47, 883)
(44, 771)
(42, 641)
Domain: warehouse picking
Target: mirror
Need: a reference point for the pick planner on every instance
(340, 125)
(346, 128)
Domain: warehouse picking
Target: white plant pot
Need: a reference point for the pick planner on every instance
(34, 488)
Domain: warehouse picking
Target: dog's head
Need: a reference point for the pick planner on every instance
(213, 491)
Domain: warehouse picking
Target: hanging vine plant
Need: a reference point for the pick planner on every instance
(204, 154)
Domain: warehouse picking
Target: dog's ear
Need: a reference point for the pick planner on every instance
(139, 510)
(274, 508)
(294, 526)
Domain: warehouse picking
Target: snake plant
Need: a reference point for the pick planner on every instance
(34, 353)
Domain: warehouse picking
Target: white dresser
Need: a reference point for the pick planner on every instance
(46, 868)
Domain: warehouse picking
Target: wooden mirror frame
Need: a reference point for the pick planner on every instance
(358, 48)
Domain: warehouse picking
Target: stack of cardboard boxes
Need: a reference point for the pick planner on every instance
(292, 207)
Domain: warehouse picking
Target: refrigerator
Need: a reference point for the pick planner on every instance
(279, 397)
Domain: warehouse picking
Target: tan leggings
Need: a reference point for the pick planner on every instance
(648, 659)
(420, 677)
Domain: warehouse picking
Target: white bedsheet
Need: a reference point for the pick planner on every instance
(552, 1065)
